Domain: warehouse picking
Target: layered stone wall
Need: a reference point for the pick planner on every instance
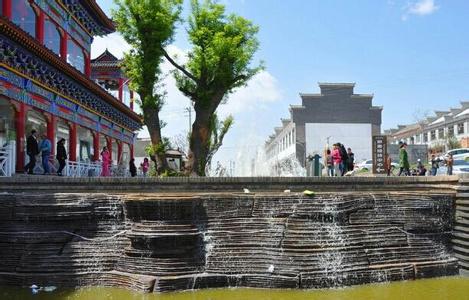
(163, 242)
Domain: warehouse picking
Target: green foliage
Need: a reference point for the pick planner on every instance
(218, 131)
(158, 149)
(223, 49)
(452, 143)
(148, 26)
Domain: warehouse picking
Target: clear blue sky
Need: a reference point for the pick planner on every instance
(412, 55)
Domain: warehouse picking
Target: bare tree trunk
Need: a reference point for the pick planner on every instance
(199, 143)
(152, 121)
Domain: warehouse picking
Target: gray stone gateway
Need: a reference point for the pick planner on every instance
(336, 114)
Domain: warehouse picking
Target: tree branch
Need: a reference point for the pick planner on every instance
(240, 77)
(177, 66)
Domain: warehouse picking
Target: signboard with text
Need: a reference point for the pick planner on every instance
(379, 154)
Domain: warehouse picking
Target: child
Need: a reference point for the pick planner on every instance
(329, 163)
(145, 165)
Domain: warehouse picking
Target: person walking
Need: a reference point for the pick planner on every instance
(337, 160)
(403, 160)
(145, 165)
(132, 167)
(61, 156)
(388, 164)
(46, 149)
(344, 158)
(435, 165)
(105, 162)
(350, 160)
(329, 163)
(449, 164)
(32, 149)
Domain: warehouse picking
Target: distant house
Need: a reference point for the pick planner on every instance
(435, 131)
(174, 157)
(336, 114)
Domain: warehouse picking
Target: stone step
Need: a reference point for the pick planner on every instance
(462, 214)
(462, 208)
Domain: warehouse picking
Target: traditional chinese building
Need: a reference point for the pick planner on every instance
(48, 81)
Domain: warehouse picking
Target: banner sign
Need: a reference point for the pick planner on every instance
(379, 154)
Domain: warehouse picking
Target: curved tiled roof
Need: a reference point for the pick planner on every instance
(19, 36)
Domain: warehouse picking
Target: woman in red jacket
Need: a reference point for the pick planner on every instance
(337, 158)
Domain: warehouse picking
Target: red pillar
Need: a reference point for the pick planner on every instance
(87, 66)
(20, 124)
(131, 151)
(132, 100)
(40, 27)
(51, 122)
(96, 146)
(72, 143)
(121, 89)
(109, 148)
(63, 46)
(120, 147)
(7, 9)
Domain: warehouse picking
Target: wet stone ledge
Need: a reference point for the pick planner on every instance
(161, 242)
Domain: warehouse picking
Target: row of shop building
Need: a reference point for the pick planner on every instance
(435, 131)
(48, 81)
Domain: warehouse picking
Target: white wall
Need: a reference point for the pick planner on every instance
(356, 136)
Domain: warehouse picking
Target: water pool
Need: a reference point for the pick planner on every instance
(450, 288)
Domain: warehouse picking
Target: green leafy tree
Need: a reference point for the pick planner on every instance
(452, 143)
(148, 26)
(218, 131)
(220, 61)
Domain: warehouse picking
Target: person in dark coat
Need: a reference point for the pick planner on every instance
(132, 168)
(32, 149)
(61, 155)
(344, 156)
(351, 160)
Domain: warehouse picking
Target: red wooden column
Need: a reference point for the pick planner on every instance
(87, 66)
(7, 9)
(109, 148)
(120, 147)
(121, 89)
(96, 146)
(51, 124)
(20, 124)
(72, 143)
(132, 100)
(63, 46)
(40, 27)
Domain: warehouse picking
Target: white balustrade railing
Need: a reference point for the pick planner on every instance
(7, 163)
(82, 169)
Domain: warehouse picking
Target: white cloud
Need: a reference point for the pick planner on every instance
(114, 42)
(420, 8)
(260, 90)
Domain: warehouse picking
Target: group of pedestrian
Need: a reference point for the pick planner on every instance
(339, 161)
(448, 161)
(34, 147)
(421, 170)
(44, 147)
(144, 166)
